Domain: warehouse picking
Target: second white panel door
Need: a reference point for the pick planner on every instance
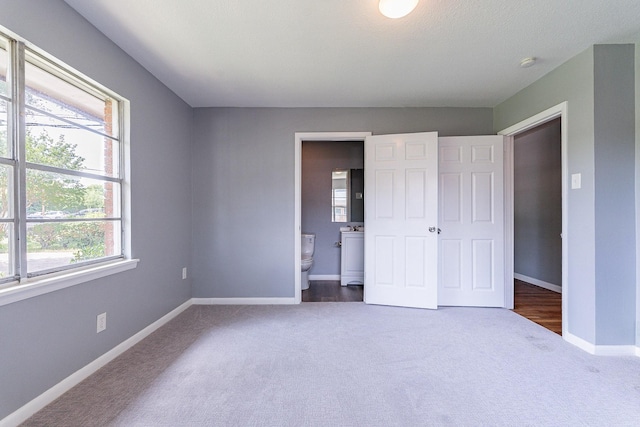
(471, 217)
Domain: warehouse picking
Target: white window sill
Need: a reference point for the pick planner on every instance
(53, 282)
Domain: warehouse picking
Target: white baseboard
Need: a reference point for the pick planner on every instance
(616, 350)
(77, 377)
(579, 342)
(324, 277)
(602, 350)
(243, 301)
(540, 283)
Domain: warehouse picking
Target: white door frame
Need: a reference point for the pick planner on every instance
(554, 112)
(309, 136)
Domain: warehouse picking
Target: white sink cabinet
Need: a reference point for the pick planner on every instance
(352, 258)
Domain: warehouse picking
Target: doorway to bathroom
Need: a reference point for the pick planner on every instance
(330, 187)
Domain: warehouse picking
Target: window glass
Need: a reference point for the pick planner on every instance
(6, 192)
(4, 64)
(5, 98)
(5, 142)
(54, 245)
(53, 95)
(61, 117)
(6, 250)
(70, 178)
(52, 195)
(52, 142)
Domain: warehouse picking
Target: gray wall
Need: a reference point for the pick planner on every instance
(614, 136)
(243, 186)
(319, 159)
(591, 315)
(538, 203)
(46, 338)
(637, 157)
(571, 82)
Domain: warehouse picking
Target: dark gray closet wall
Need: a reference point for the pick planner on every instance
(538, 203)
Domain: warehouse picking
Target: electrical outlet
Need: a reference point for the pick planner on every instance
(184, 273)
(102, 322)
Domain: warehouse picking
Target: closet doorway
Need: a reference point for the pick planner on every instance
(537, 201)
(538, 189)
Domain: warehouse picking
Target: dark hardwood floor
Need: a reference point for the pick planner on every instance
(331, 291)
(533, 302)
(538, 305)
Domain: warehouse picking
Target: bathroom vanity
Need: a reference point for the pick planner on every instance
(352, 258)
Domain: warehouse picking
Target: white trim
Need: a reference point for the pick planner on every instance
(325, 277)
(539, 283)
(602, 350)
(297, 223)
(53, 282)
(616, 350)
(244, 301)
(509, 297)
(579, 342)
(80, 375)
(560, 110)
(125, 212)
(538, 119)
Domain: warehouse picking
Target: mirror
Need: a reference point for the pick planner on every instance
(347, 195)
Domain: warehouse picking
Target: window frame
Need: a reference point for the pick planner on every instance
(22, 284)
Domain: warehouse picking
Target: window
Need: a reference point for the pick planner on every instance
(61, 173)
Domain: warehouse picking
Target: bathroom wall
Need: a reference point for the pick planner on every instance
(319, 158)
(538, 204)
(243, 186)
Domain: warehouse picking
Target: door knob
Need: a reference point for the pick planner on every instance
(433, 230)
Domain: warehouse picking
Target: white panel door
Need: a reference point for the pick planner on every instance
(401, 199)
(472, 221)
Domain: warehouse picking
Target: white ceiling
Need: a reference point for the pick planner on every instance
(343, 53)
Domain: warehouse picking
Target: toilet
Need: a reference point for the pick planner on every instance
(308, 245)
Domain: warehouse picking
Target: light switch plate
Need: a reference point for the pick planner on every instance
(576, 181)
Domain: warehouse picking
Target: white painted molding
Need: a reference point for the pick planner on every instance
(616, 350)
(244, 301)
(324, 277)
(556, 111)
(509, 291)
(602, 350)
(80, 375)
(53, 282)
(540, 118)
(579, 342)
(298, 137)
(539, 283)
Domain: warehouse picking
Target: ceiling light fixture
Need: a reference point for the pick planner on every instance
(527, 62)
(397, 8)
